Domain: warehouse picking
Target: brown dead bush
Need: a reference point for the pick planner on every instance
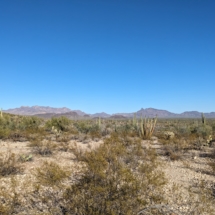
(42, 147)
(9, 164)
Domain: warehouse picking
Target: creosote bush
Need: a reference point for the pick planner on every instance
(51, 174)
(112, 184)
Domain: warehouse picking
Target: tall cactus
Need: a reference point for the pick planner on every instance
(141, 125)
(134, 119)
(1, 114)
(203, 119)
(147, 127)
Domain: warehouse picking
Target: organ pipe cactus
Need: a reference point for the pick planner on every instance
(147, 127)
(134, 119)
(203, 119)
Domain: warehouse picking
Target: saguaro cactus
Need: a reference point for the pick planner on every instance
(1, 114)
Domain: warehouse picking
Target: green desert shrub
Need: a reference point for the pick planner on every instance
(202, 130)
(51, 174)
(30, 123)
(4, 133)
(20, 122)
(183, 131)
(94, 131)
(5, 121)
(19, 127)
(82, 126)
(4, 127)
(60, 123)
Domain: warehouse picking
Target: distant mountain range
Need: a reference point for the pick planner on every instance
(26, 110)
(48, 112)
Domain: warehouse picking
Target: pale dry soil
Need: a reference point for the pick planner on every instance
(182, 174)
(186, 177)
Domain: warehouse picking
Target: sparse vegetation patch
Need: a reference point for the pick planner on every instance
(106, 166)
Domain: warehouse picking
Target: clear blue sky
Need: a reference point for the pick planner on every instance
(108, 55)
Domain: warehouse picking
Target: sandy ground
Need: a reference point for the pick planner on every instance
(183, 172)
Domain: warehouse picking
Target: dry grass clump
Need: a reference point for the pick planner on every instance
(175, 148)
(212, 162)
(78, 152)
(9, 164)
(64, 142)
(10, 199)
(172, 152)
(212, 155)
(212, 165)
(178, 146)
(42, 147)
